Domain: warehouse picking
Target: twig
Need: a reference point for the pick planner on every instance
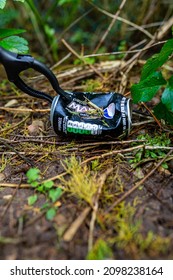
(110, 26)
(28, 161)
(137, 185)
(148, 25)
(75, 22)
(71, 231)
(21, 110)
(30, 139)
(37, 141)
(102, 180)
(35, 219)
(151, 113)
(141, 123)
(10, 201)
(125, 52)
(114, 152)
(82, 58)
(122, 142)
(164, 28)
(13, 185)
(123, 20)
(15, 125)
(57, 64)
(157, 36)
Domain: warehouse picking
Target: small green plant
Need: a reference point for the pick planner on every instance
(8, 36)
(152, 80)
(100, 251)
(47, 188)
(86, 60)
(121, 48)
(92, 85)
(158, 140)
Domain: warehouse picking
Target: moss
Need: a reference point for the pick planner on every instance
(81, 182)
(100, 251)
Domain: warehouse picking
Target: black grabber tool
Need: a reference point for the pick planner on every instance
(84, 113)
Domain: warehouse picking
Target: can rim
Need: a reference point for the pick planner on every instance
(129, 116)
(52, 109)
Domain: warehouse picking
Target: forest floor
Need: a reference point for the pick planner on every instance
(127, 214)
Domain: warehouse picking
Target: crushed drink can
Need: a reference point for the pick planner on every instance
(89, 113)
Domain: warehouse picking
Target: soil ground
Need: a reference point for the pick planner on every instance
(122, 222)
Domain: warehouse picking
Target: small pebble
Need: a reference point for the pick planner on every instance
(34, 128)
(7, 197)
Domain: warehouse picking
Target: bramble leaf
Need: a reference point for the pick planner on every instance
(157, 60)
(54, 194)
(50, 214)
(2, 4)
(146, 89)
(62, 2)
(7, 16)
(167, 96)
(161, 112)
(9, 32)
(15, 44)
(48, 185)
(33, 174)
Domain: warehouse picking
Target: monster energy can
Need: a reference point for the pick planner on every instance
(89, 113)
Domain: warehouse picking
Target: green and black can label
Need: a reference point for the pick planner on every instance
(92, 114)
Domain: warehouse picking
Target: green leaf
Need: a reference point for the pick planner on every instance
(170, 82)
(62, 2)
(164, 165)
(157, 60)
(48, 185)
(2, 4)
(45, 205)
(55, 194)
(33, 174)
(167, 96)
(9, 32)
(89, 60)
(146, 89)
(32, 199)
(50, 214)
(40, 188)
(7, 16)
(161, 112)
(153, 154)
(34, 184)
(15, 44)
(100, 251)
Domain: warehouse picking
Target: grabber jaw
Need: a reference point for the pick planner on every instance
(14, 64)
